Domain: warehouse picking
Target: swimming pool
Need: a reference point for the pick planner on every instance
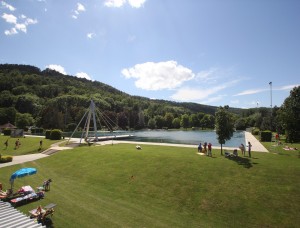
(185, 137)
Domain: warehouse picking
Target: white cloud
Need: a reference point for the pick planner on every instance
(196, 94)
(9, 18)
(10, 7)
(90, 35)
(30, 21)
(21, 27)
(208, 76)
(57, 68)
(12, 31)
(250, 91)
(120, 3)
(25, 21)
(158, 76)
(83, 75)
(287, 87)
(114, 3)
(136, 3)
(80, 8)
(213, 99)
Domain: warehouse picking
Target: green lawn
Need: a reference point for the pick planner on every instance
(29, 145)
(158, 186)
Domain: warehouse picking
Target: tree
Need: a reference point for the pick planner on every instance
(208, 121)
(224, 125)
(185, 121)
(23, 120)
(176, 123)
(194, 121)
(289, 116)
(240, 124)
(160, 121)
(7, 115)
(122, 120)
(152, 123)
(169, 117)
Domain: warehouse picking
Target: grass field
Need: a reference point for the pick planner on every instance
(158, 186)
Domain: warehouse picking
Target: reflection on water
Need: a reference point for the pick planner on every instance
(186, 137)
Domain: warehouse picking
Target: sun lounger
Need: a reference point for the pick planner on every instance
(42, 215)
(27, 198)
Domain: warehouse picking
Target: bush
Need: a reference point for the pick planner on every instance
(55, 134)
(48, 134)
(6, 131)
(4, 159)
(255, 131)
(266, 136)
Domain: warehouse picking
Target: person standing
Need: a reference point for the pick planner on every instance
(209, 150)
(205, 147)
(242, 148)
(41, 144)
(200, 148)
(249, 149)
(6, 144)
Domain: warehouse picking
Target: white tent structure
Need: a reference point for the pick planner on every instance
(90, 130)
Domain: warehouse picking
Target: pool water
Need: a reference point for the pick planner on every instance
(186, 137)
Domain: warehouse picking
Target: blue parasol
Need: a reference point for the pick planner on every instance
(22, 173)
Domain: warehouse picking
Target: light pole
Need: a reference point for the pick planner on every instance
(270, 83)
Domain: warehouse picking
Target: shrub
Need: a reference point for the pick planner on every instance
(4, 159)
(6, 131)
(255, 131)
(48, 134)
(55, 134)
(266, 136)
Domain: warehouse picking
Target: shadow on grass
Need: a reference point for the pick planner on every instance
(246, 162)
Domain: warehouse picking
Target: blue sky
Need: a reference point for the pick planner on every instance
(214, 52)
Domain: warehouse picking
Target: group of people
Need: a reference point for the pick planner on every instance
(206, 149)
(243, 149)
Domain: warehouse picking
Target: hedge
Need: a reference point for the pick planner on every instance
(266, 136)
(6, 132)
(4, 159)
(55, 134)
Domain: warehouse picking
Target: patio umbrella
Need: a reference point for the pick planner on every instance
(22, 173)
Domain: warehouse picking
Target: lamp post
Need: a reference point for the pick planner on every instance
(270, 83)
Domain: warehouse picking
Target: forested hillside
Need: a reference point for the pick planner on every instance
(49, 99)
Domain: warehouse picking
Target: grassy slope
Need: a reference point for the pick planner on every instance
(29, 145)
(170, 187)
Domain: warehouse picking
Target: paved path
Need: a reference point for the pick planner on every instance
(23, 158)
(256, 146)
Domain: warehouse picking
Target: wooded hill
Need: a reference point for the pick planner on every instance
(50, 99)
